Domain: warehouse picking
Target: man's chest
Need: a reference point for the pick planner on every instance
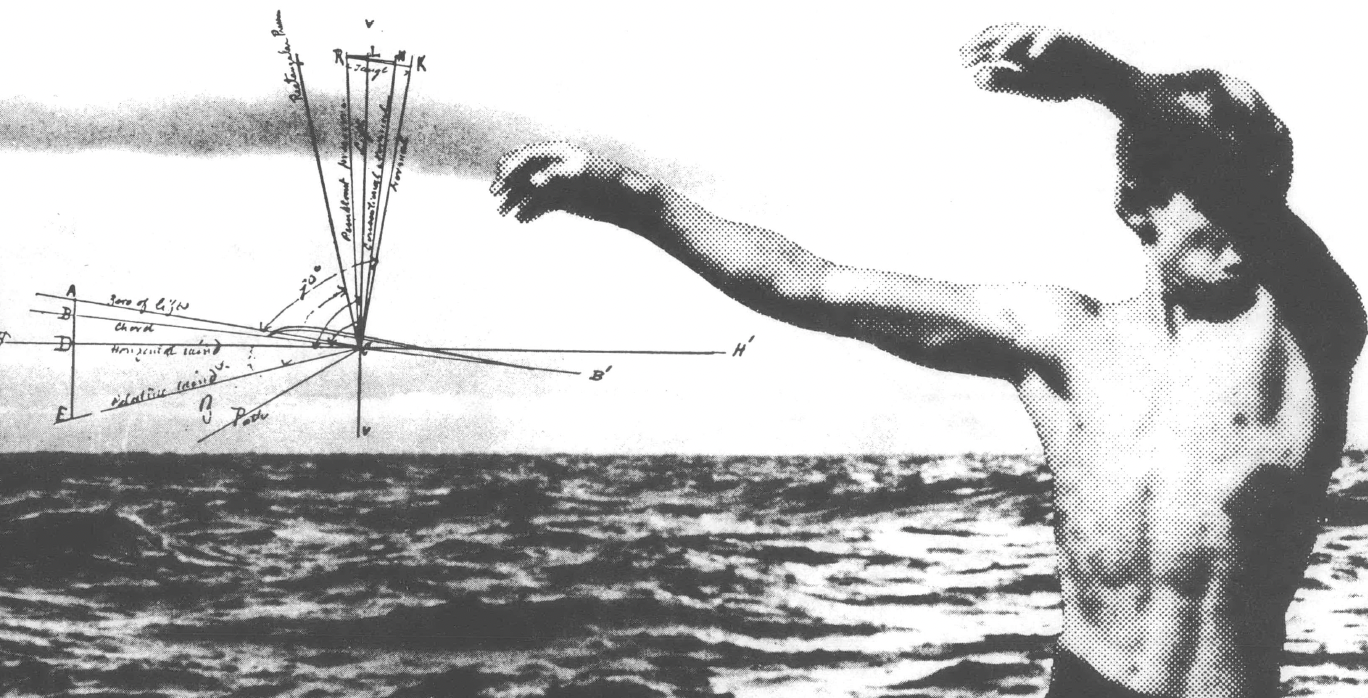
(1199, 438)
(1237, 392)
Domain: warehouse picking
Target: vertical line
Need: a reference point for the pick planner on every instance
(322, 182)
(71, 406)
(351, 174)
(365, 171)
(383, 159)
(358, 394)
(394, 164)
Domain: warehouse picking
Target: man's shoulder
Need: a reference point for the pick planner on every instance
(1044, 312)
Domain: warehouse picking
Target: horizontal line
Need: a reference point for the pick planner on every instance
(581, 351)
(382, 61)
(226, 380)
(141, 312)
(174, 344)
(210, 330)
(410, 352)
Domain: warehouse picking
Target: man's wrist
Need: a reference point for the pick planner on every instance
(1118, 86)
(633, 200)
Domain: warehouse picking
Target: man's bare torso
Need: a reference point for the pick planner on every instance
(1191, 430)
(1188, 457)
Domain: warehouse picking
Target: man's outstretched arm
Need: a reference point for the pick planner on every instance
(988, 330)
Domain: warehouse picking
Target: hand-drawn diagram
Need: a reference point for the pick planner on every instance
(326, 323)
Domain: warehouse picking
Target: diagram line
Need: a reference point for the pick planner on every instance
(325, 329)
(436, 357)
(365, 172)
(467, 357)
(72, 408)
(322, 182)
(174, 344)
(316, 332)
(372, 207)
(414, 347)
(445, 352)
(324, 304)
(306, 293)
(359, 354)
(394, 164)
(259, 332)
(228, 380)
(227, 345)
(280, 394)
(251, 331)
(385, 186)
(660, 352)
(351, 203)
(373, 59)
(382, 159)
(454, 357)
(184, 327)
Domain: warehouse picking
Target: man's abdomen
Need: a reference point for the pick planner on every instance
(1176, 580)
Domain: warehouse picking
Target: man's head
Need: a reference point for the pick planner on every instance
(1194, 251)
(1205, 160)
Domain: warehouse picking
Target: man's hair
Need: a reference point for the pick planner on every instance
(1207, 135)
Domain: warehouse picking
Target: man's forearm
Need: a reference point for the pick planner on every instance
(758, 267)
(1120, 87)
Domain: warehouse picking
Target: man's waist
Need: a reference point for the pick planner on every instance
(1179, 665)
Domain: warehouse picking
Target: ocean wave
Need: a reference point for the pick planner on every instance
(562, 576)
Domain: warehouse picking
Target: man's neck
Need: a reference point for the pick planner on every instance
(1172, 307)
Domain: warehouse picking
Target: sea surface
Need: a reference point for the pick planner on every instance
(568, 577)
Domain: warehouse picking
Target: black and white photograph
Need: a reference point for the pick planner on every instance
(693, 350)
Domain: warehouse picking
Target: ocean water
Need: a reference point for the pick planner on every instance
(567, 576)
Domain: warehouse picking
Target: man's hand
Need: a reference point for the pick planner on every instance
(1045, 64)
(556, 176)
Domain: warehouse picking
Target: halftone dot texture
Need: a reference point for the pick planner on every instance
(1204, 133)
(1188, 465)
(1190, 430)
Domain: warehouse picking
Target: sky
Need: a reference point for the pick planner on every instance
(152, 153)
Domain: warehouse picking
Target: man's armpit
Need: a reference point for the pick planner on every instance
(1039, 324)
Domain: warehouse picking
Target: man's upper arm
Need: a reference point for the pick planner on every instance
(994, 330)
(1316, 297)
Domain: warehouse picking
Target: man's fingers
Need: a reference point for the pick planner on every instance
(536, 206)
(1040, 41)
(999, 76)
(979, 47)
(526, 170)
(499, 185)
(510, 202)
(514, 162)
(1016, 45)
(503, 179)
(533, 180)
(509, 162)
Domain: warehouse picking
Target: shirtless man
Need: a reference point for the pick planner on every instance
(1191, 429)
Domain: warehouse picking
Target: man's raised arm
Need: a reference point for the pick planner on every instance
(1204, 133)
(989, 330)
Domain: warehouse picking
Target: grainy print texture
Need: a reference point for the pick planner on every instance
(503, 524)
